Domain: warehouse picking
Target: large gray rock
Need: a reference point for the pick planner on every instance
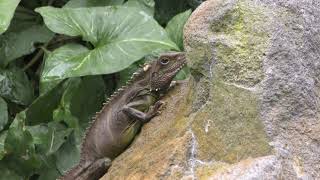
(250, 110)
(270, 48)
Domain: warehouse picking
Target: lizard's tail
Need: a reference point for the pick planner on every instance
(88, 171)
(73, 173)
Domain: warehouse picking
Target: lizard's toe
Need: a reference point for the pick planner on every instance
(158, 104)
(163, 106)
(107, 162)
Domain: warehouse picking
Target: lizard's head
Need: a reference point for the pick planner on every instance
(165, 68)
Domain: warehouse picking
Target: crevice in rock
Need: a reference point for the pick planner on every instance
(201, 93)
(192, 161)
(251, 89)
(192, 155)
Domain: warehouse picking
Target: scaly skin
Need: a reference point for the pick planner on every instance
(116, 125)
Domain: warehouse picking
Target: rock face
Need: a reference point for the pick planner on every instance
(250, 110)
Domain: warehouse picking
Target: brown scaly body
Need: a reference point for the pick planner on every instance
(121, 118)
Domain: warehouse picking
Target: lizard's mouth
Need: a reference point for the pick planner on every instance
(181, 63)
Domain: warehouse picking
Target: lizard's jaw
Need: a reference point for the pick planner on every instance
(160, 81)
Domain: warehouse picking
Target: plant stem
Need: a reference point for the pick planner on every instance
(34, 59)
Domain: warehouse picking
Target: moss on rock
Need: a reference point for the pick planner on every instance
(240, 44)
(228, 127)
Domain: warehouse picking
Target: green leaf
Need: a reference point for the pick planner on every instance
(175, 28)
(3, 137)
(49, 137)
(39, 134)
(59, 60)
(15, 86)
(87, 99)
(17, 44)
(145, 5)
(7, 174)
(20, 147)
(57, 136)
(3, 113)
(63, 114)
(7, 8)
(92, 3)
(40, 111)
(18, 140)
(24, 18)
(183, 74)
(23, 165)
(120, 35)
(68, 155)
(48, 173)
(82, 98)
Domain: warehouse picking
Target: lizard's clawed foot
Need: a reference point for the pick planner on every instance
(159, 106)
(107, 162)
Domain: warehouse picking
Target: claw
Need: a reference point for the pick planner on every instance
(159, 112)
(158, 104)
(163, 106)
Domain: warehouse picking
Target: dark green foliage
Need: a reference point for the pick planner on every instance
(58, 64)
(15, 86)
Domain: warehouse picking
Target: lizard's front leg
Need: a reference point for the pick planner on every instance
(143, 117)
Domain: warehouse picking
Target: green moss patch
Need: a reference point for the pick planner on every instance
(241, 40)
(228, 128)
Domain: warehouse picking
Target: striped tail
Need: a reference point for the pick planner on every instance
(88, 170)
(74, 172)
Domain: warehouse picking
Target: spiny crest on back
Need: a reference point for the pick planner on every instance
(155, 78)
(140, 73)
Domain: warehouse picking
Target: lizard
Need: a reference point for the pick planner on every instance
(122, 116)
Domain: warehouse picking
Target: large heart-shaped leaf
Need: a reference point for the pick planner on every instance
(7, 8)
(120, 36)
(145, 5)
(59, 60)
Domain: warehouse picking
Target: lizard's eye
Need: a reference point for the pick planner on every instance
(164, 61)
